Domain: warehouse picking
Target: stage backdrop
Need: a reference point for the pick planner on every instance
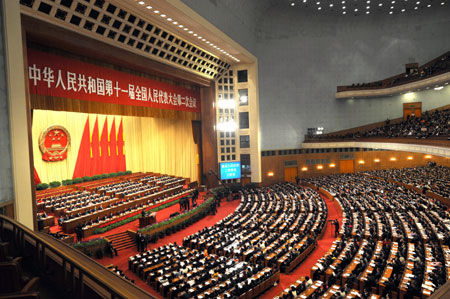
(103, 144)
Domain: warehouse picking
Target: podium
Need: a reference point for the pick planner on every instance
(147, 220)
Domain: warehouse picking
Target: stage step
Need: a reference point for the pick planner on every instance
(122, 241)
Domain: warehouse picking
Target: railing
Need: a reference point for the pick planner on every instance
(63, 265)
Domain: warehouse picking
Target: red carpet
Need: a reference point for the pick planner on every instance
(121, 261)
(322, 246)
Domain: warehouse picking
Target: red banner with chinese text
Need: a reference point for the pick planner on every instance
(53, 75)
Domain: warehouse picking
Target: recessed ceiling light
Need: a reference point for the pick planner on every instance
(141, 2)
(195, 34)
(442, 3)
(416, 7)
(429, 5)
(175, 23)
(343, 7)
(391, 12)
(356, 9)
(418, 2)
(208, 42)
(367, 12)
(392, 7)
(368, 7)
(292, 4)
(319, 8)
(343, 2)
(190, 32)
(381, 4)
(181, 26)
(304, 1)
(199, 37)
(368, 1)
(156, 11)
(344, 12)
(149, 7)
(203, 39)
(393, 2)
(163, 16)
(318, 3)
(403, 10)
(169, 19)
(185, 29)
(331, 4)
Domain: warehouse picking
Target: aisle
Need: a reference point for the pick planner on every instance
(322, 246)
(121, 261)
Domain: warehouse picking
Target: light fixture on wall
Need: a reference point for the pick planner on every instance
(361, 162)
(319, 167)
(376, 160)
(304, 168)
(410, 158)
(270, 173)
(428, 157)
(332, 165)
(393, 159)
(227, 126)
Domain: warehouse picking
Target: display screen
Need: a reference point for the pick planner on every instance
(230, 170)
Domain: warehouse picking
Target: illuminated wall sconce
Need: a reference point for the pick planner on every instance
(376, 160)
(304, 168)
(319, 167)
(332, 165)
(428, 157)
(270, 173)
(410, 158)
(361, 162)
(393, 159)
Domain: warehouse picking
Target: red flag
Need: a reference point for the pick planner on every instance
(104, 149)
(121, 149)
(113, 148)
(37, 180)
(82, 166)
(95, 150)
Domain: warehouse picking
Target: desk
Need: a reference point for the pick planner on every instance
(147, 220)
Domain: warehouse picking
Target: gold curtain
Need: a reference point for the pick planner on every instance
(151, 144)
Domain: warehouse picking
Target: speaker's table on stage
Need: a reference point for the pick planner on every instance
(147, 220)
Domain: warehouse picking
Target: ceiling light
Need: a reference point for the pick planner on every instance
(195, 34)
(343, 2)
(429, 5)
(185, 29)
(392, 7)
(368, 7)
(416, 7)
(304, 1)
(292, 4)
(203, 39)
(418, 2)
(175, 22)
(319, 8)
(304, 168)
(368, 1)
(331, 4)
(156, 11)
(141, 2)
(318, 3)
(393, 2)
(208, 42)
(381, 4)
(376, 160)
(149, 7)
(442, 3)
(438, 87)
(403, 10)
(190, 32)
(356, 9)
(169, 19)
(367, 12)
(199, 37)
(344, 12)
(390, 12)
(343, 7)
(181, 26)
(163, 16)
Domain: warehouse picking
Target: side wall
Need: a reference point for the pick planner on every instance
(6, 183)
(303, 57)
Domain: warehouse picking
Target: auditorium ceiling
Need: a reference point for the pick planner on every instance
(363, 7)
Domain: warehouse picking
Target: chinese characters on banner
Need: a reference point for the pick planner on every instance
(54, 75)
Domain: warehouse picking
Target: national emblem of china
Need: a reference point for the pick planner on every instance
(54, 143)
